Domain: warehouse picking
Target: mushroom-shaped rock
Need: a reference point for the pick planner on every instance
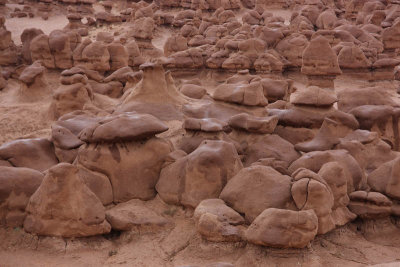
(215, 221)
(253, 124)
(16, 187)
(64, 206)
(125, 149)
(320, 60)
(200, 175)
(370, 205)
(283, 228)
(134, 215)
(256, 188)
(155, 87)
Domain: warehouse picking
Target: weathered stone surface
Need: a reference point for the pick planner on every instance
(256, 188)
(253, 124)
(283, 228)
(125, 127)
(200, 175)
(319, 58)
(310, 191)
(370, 205)
(335, 176)
(64, 206)
(134, 215)
(217, 222)
(386, 179)
(132, 167)
(315, 160)
(37, 154)
(313, 96)
(246, 94)
(16, 187)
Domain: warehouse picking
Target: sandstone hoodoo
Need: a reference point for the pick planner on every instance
(199, 133)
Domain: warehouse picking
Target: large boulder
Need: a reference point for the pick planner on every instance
(386, 179)
(257, 188)
(64, 206)
(283, 228)
(134, 215)
(292, 48)
(143, 28)
(37, 154)
(96, 56)
(215, 221)
(370, 205)
(316, 159)
(16, 187)
(251, 94)
(310, 191)
(335, 176)
(259, 146)
(71, 97)
(320, 63)
(200, 175)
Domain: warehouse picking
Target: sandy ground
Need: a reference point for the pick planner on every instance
(180, 245)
